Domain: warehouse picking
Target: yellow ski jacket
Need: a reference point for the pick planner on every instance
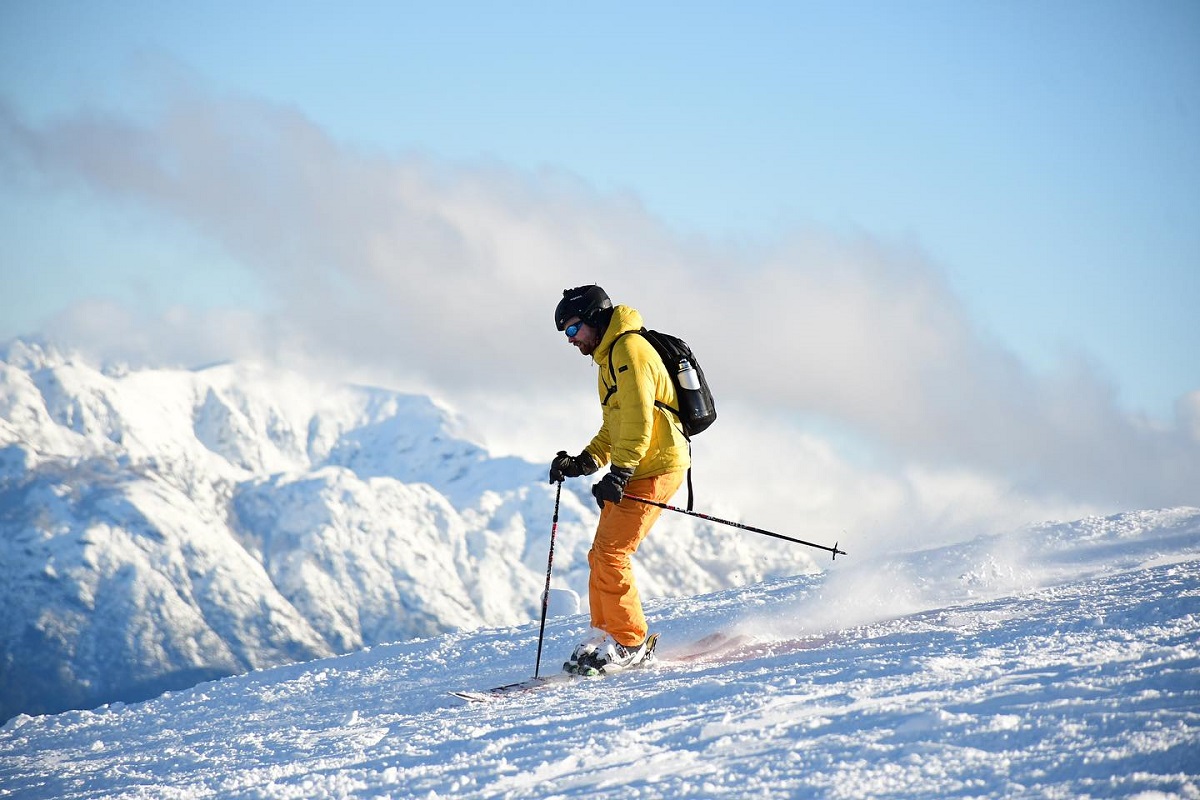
(635, 432)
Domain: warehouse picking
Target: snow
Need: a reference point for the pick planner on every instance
(251, 584)
(1060, 660)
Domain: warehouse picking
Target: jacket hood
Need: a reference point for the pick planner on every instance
(624, 319)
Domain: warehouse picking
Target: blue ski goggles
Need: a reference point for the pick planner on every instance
(571, 330)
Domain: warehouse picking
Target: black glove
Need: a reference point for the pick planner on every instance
(565, 466)
(611, 488)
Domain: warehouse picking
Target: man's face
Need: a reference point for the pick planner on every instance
(586, 338)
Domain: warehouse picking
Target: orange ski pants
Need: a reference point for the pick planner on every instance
(615, 603)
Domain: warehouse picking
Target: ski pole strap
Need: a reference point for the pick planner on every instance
(836, 552)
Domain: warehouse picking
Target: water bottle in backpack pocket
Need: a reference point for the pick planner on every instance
(694, 407)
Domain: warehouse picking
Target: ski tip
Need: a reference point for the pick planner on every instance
(473, 697)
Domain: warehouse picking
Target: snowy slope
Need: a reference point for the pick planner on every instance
(160, 527)
(1057, 661)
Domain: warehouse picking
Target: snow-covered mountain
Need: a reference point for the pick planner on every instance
(162, 527)
(1057, 661)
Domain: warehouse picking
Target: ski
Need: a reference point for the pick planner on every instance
(715, 649)
(532, 684)
(520, 687)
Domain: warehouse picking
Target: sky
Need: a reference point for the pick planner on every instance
(938, 252)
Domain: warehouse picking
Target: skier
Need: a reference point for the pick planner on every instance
(649, 457)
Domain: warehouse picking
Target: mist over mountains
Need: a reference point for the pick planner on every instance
(159, 527)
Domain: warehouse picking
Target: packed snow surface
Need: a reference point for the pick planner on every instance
(1058, 661)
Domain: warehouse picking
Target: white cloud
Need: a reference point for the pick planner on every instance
(443, 277)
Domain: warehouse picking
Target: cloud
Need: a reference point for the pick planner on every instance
(112, 332)
(445, 275)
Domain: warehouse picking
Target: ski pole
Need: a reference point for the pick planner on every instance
(537, 667)
(836, 552)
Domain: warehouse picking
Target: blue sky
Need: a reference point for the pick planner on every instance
(1032, 169)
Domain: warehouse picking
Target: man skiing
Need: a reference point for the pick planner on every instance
(649, 457)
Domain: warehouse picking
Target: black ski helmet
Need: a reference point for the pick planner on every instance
(585, 302)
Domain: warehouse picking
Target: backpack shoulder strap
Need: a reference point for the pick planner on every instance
(612, 371)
